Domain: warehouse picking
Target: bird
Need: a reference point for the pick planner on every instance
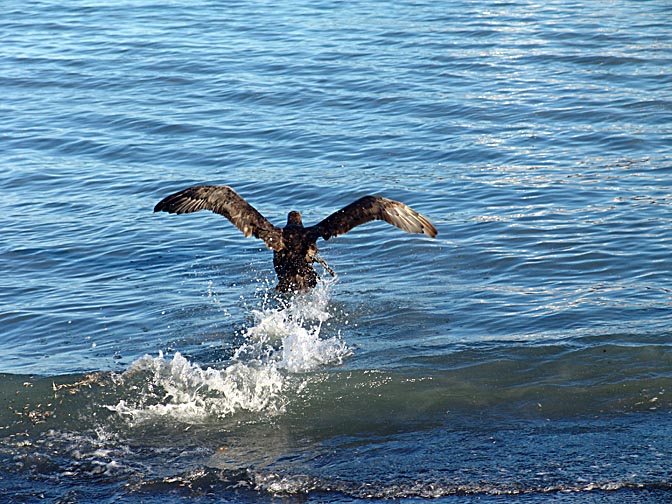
(294, 246)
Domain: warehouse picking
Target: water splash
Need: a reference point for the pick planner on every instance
(289, 335)
(283, 342)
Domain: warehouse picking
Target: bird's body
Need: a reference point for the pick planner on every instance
(294, 262)
(294, 246)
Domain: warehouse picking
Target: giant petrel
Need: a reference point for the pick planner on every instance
(294, 246)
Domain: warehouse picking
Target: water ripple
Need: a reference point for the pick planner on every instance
(535, 136)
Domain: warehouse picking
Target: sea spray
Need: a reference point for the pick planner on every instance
(182, 390)
(289, 336)
(283, 340)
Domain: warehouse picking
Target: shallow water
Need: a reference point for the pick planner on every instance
(523, 354)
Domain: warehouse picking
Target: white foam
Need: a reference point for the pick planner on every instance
(289, 336)
(282, 342)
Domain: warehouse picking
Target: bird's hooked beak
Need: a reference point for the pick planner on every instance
(294, 217)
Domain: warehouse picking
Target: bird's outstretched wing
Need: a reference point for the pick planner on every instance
(371, 208)
(227, 202)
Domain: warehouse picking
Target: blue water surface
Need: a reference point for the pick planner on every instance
(522, 354)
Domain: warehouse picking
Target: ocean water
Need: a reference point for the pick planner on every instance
(525, 354)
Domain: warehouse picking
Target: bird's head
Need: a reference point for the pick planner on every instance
(294, 218)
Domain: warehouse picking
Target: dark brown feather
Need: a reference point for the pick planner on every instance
(224, 201)
(371, 208)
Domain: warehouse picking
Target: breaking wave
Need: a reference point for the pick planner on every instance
(284, 341)
(286, 486)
